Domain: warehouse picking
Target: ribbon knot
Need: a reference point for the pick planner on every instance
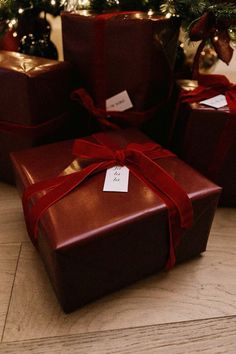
(116, 119)
(120, 157)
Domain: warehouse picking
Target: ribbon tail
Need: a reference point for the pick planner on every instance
(175, 232)
(179, 206)
(161, 180)
(172, 258)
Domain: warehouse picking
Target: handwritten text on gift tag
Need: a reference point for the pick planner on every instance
(117, 179)
(120, 102)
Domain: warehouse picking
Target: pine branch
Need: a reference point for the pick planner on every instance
(224, 11)
(5, 9)
(190, 10)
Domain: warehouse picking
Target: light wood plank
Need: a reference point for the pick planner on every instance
(8, 261)
(12, 225)
(202, 288)
(225, 221)
(211, 336)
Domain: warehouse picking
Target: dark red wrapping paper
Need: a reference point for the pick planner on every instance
(117, 52)
(199, 135)
(34, 107)
(94, 242)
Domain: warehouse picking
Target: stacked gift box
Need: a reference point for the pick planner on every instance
(92, 241)
(118, 52)
(205, 130)
(35, 105)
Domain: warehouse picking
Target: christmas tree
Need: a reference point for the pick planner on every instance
(208, 21)
(26, 22)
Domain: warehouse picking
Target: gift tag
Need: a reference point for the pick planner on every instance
(117, 179)
(120, 102)
(218, 101)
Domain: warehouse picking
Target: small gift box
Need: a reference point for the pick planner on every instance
(205, 134)
(124, 62)
(34, 106)
(94, 242)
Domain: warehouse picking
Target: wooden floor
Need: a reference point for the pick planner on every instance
(187, 310)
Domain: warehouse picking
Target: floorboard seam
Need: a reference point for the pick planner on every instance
(115, 330)
(12, 243)
(13, 283)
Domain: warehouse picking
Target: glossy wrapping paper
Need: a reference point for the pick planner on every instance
(122, 51)
(34, 105)
(198, 132)
(94, 242)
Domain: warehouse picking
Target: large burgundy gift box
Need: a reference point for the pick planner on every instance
(117, 52)
(205, 137)
(34, 105)
(94, 242)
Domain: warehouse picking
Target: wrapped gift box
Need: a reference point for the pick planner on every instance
(198, 140)
(34, 106)
(119, 52)
(94, 242)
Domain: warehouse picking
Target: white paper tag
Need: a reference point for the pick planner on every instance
(218, 101)
(120, 102)
(117, 179)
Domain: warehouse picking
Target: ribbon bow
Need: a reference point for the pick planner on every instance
(210, 86)
(139, 159)
(208, 27)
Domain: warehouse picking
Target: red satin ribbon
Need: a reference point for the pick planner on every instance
(113, 119)
(210, 86)
(140, 160)
(32, 130)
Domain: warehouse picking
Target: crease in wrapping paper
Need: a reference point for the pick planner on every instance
(139, 158)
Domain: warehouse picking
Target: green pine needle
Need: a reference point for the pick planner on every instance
(224, 11)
